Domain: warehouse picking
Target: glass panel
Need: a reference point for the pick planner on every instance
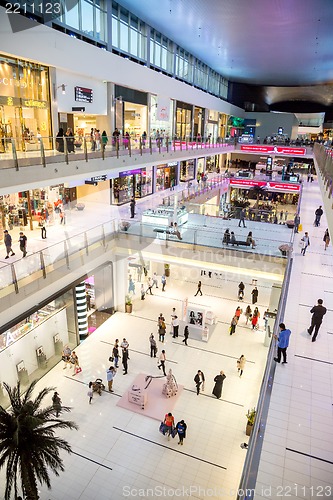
(152, 45)
(123, 37)
(100, 31)
(157, 58)
(164, 58)
(87, 18)
(72, 16)
(115, 32)
(5, 277)
(134, 42)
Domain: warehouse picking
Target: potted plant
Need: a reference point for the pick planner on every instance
(167, 270)
(251, 415)
(128, 304)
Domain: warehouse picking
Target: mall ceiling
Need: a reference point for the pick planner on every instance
(278, 43)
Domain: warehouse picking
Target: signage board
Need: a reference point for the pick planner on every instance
(99, 178)
(83, 94)
(79, 108)
(270, 186)
(125, 173)
(258, 148)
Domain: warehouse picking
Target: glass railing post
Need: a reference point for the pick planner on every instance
(159, 145)
(186, 143)
(129, 147)
(42, 151)
(140, 146)
(181, 145)
(66, 254)
(174, 144)
(117, 146)
(66, 150)
(86, 245)
(14, 278)
(150, 146)
(42, 264)
(14, 152)
(167, 144)
(85, 149)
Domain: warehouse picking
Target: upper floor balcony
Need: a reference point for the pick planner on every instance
(55, 159)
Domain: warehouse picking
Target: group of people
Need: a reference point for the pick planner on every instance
(241, 292)
(151, 282)
(230, 238)
(9, 242)
(71, 359)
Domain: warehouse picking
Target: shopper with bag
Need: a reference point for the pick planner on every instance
(241, 364)
(305, 243)
(169, 423)
(75, 361)
(181, 430)
(217, 391)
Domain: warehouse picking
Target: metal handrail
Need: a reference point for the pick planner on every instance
(246, 490)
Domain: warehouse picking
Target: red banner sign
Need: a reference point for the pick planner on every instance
(284, 150)
(270, 186)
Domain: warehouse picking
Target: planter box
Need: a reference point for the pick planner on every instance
(128, 308)
(249, 428)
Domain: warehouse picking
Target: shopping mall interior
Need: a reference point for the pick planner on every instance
(165, 180)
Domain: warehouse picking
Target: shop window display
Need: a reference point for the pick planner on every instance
(33, 346)
(187, 170)
(24, 104)
(166, 176)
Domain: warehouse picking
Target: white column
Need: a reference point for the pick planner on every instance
(81, 309)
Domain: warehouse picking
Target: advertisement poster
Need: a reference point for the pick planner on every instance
(196, 317)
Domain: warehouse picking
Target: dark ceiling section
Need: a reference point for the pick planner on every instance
(248, 97)
(299, 107)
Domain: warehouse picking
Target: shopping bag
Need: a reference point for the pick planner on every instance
(78, 369)
(300, 227)
(174, 432)
(162, 428)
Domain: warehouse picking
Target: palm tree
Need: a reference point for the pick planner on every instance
(28, 445)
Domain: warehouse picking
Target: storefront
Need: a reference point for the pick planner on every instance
(166, 176)
(184, 113)
(187, 170)
(131, 108)
(198, 123)
(34, 344)
(223, 123)
(200, 166)
(161, 116)
(212, 164)
(263, 204)
(212, 125)
(95, 190)
(137, 182)
(24, 104)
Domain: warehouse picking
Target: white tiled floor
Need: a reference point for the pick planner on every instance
(300, 416)
(215, 428)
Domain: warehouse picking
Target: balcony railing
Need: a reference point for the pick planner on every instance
(64, 149)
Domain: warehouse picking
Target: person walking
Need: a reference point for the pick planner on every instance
(125, 345)
(254, 321)
(241, 364)
(142, 292)
(283, 343)
(115, 354)
(219, 379)
(155, 282)
(23, 243)
(241, 289)
(186, 335)
(104, 139)
(110, 375)
(242, 217)
(318, 312)
(175, 326)
(255, 294)
(318, 213)
(125, 359)
(233, 325)
(62, 217)
(181, 430)
(43, 228)
(161, 330)
(238, 312)
(306, 243)
(199, 289)
(132, 207)
(8, 244)
(326, 239)
(90, 392)
(199, 380)
(163, 281)
(297, 221)
(75, 362)
(169, 422)
(150, 286)
(162, 360)
(56, 403)
(173, 313)
(281, 215)
(248, 314)
(153, 346)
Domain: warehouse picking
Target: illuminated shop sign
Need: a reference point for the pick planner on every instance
(99, 178)
(256, 148)
(130, 172)
(83, 95)
(270, 186)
